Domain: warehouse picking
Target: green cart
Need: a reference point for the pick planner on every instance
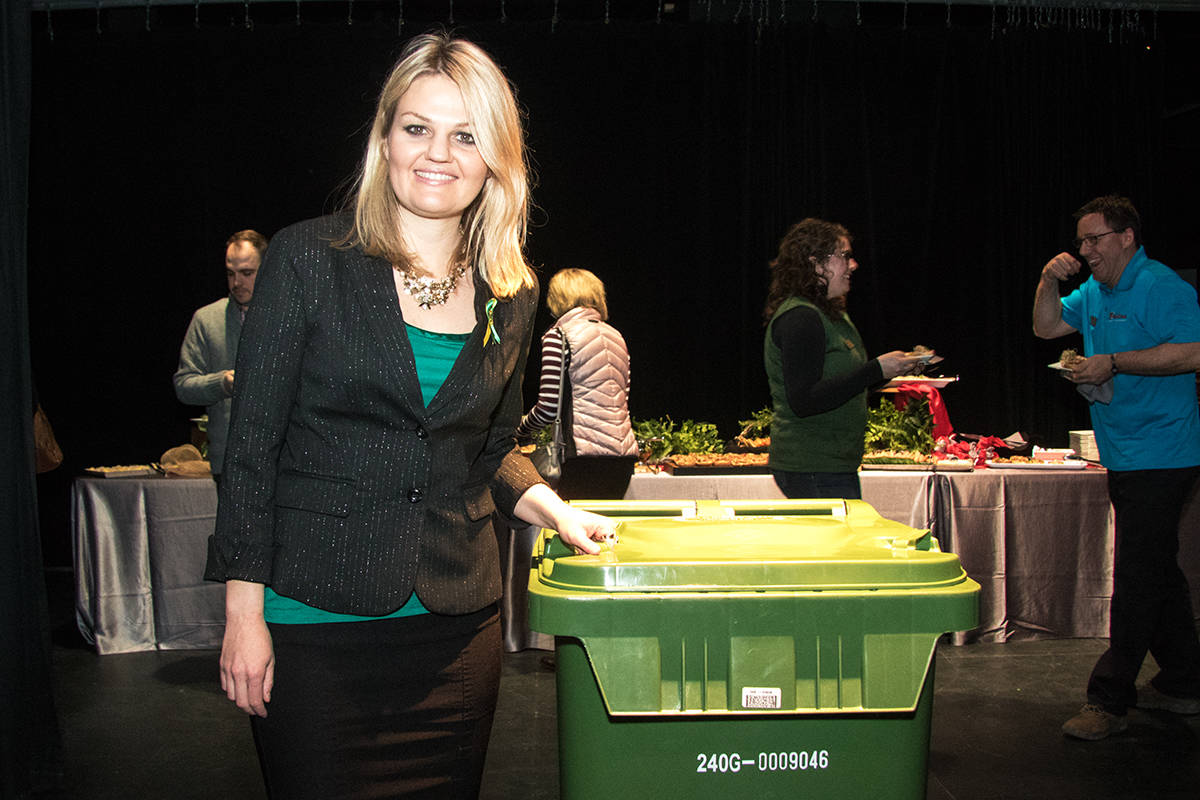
(747, 649)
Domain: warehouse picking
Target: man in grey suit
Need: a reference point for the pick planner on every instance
(206, 359)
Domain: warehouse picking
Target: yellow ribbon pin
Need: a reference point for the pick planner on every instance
(490, 333)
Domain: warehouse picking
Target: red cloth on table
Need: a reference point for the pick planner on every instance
(984, 448)
(941, 419)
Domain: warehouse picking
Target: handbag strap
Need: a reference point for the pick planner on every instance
(559, 437)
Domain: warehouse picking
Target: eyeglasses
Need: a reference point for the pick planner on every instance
(1090, 240)
(845, 255)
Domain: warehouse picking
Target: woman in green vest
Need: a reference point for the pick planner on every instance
(817, 367)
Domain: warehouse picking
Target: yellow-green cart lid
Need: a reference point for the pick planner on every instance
(833, 606)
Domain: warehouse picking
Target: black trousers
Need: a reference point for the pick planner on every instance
(1151, 607)
(820, 485)
(381, 709)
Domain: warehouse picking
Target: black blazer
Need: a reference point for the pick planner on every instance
(340, 488)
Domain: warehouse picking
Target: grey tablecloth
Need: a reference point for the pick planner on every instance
(139, 551)
(1039, 543)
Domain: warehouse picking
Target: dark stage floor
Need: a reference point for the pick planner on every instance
(155, 725)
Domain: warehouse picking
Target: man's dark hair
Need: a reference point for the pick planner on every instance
(256, 239)
(1118, 213)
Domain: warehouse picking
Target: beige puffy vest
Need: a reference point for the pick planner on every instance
(599, 372)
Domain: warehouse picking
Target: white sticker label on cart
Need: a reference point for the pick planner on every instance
(761, 697)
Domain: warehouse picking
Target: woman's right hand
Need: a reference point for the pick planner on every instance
(896, 363)
(247, 655)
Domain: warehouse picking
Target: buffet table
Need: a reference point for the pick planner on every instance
(139, 550)
(1040, 544)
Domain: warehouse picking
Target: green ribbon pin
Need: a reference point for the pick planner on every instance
(490, 333)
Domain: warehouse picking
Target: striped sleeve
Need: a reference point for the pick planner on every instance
(546, 408)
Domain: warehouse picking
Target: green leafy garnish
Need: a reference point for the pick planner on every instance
(759, 424)
(890, 428)
(659, 438)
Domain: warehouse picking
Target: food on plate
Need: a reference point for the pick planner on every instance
(119, 469)
(952, 461)
(1024, 462)
(1070, 359)
(719, 459)
(1026, 459)
(896, 457)
(755, 435)
(1056, 455)
(922, 352)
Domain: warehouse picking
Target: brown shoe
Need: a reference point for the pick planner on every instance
(1093, 723)
(1149, 697)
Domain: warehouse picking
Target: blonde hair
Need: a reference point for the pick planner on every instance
(571, 288)
(494, 223)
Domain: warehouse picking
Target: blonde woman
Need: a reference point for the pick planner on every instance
(379, 383)
(599, 434)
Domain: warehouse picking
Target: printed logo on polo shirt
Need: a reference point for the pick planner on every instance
(1114, 315)
(1092, 321)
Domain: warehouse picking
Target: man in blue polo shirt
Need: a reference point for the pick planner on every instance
(1141, 331)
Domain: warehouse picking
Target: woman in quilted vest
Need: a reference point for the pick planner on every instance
(601, 449)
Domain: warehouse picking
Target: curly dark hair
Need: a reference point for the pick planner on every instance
(807, 244)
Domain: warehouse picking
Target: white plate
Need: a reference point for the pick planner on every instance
(1059, 368)
(1038, 465)
(936, 383)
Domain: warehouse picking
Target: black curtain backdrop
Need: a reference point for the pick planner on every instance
(30, 757)
(670, 159)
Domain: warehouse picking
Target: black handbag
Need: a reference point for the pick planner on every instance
(548, 458)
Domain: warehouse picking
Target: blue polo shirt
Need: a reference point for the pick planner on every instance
(1152, 421)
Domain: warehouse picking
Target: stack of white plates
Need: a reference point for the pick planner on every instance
(1084, 444)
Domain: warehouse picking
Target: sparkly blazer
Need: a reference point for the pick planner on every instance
(341, 488)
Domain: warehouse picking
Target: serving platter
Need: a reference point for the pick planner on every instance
(721, 469)
(950, 465)
(124, 471)
(867, 466)
(1073, 465)
(954, 465)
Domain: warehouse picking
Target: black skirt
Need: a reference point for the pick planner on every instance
(382, 709)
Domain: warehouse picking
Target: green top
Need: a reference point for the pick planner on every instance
(435, 354)
(833, 440)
